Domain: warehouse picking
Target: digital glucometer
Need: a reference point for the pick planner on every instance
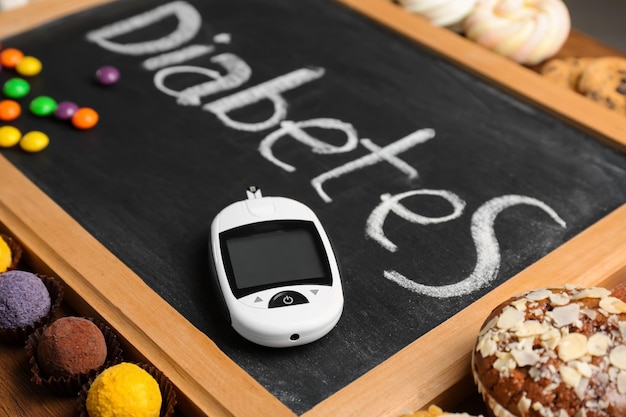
(276, 271)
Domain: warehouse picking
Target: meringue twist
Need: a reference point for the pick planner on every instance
(527, 31)
(446, 13)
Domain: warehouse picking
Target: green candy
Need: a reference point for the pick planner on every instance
(16, 88)
(43, 106)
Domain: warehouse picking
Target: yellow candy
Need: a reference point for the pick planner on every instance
(29, 66)
(9, 136)
(5, 255)
(433, 411)
(124, 390)
(34, 141)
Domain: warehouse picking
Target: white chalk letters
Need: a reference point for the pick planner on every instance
(483, 234)
(169, 53)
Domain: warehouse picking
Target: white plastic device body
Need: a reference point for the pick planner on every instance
(276, 271)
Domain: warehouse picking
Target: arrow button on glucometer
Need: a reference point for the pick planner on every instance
(287, 298)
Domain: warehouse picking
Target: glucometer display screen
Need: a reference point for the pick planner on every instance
(269, 254)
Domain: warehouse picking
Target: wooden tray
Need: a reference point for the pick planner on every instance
(98, 284)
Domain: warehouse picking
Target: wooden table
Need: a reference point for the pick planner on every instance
(55, 244)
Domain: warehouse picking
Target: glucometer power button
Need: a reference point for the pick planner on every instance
(287, 298)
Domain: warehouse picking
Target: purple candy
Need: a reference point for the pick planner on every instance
(107, 75)
(65, 110)
(24, 299)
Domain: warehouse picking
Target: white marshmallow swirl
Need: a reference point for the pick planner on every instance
(446, 13)
(527, 31)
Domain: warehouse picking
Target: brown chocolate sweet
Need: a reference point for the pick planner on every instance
(71, 346)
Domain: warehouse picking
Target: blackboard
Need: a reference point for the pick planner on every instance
(402, 125)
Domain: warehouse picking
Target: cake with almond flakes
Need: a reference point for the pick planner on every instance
(554, 352)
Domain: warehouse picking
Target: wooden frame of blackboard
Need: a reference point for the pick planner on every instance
(433, 369)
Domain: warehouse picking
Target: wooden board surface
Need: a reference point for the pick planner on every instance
(388, 389)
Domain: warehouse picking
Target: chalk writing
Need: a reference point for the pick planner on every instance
(189, 23)
(487, 250)
(376, 220)
(238, 72)
(270, 90)
(178, 56)
(296, 131)
(170, 55)
(388, 153)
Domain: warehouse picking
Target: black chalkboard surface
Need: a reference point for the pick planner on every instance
(434, 186)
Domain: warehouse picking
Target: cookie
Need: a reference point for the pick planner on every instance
(565, 71)
(604, 81)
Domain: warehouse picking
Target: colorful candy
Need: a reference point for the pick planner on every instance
(9, 136)
(85, 118)
(107, 75)
(28, 66)
(34, 141)
(9, 110)
(43, 106)
(65, 110)
(16, 88)
(10, 57)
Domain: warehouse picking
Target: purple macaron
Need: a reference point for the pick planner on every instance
(24, 299)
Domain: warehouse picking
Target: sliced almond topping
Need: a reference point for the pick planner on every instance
(524, 404)
(566, 315)
(583, 368)
(591, 292)
(570, 376)
(531, 328)
(525, 357)
(490, 324)
(526, 343)
(598, 344)
(572, 346)
(504, 363)
(621, 382)
(559, 299)
(510, 318)
(613, 305)
(519, 304)
(592, 314)
(617, 357)
(550, 339)
(487, 347)
(537, 295)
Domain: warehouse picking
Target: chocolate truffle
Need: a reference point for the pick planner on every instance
(24, 299)
(554, 352)
(71, 346)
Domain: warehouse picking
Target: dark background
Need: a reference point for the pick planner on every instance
(149, 178)
(603, 20)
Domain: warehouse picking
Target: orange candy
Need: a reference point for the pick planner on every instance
(9, 110)
(85, 118)
(10, 57)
